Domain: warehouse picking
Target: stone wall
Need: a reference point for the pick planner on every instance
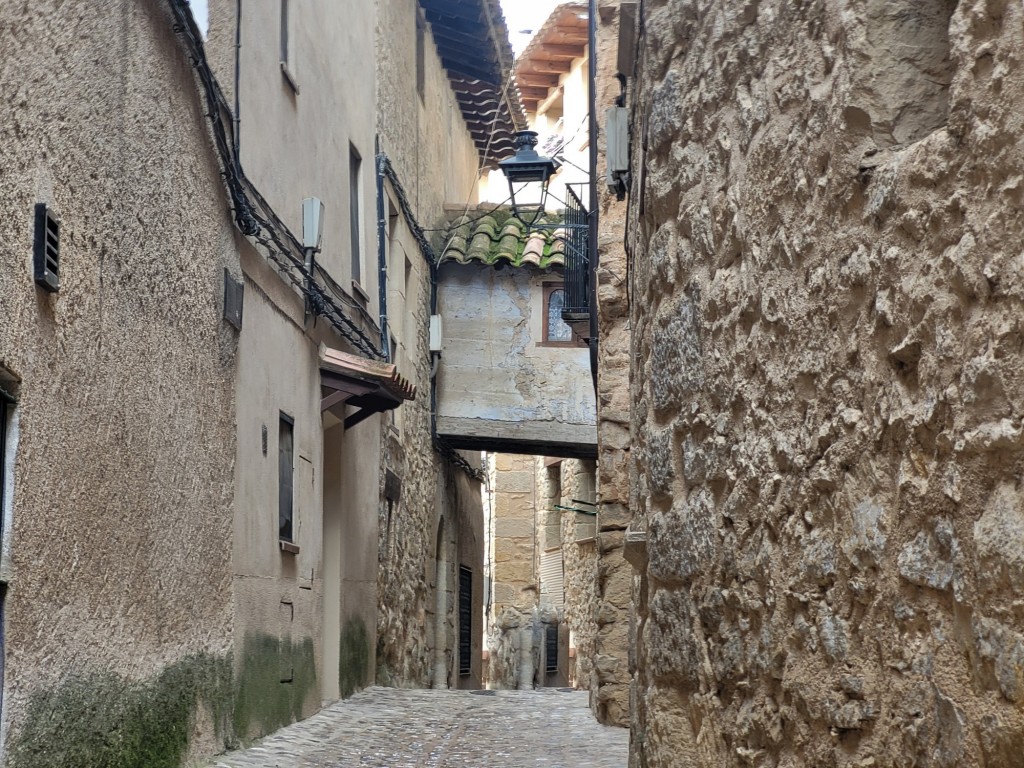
(578, 533)
(513, 637)
(435, 159)
(615, 577)
(826, 312)
(515, 546)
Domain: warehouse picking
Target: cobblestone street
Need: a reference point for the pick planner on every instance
(394, 728)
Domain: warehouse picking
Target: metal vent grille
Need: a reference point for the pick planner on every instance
(46, 248)
(234, 293)
(465, 620)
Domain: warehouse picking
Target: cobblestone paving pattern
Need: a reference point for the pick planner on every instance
(393, 728)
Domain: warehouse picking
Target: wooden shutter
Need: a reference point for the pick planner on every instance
(552, 589)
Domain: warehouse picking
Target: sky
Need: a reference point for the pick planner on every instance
(201, 12)
(523, 17)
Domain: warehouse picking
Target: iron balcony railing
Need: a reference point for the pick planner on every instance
(577, 261)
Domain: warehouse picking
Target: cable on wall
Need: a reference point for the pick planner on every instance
(253, 215)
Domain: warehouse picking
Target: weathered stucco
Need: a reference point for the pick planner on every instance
(826, 338)
(118, 614)
(496, 382)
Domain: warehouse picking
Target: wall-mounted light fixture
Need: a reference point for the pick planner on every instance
(527, 167)
(312, 238)
(312, 223)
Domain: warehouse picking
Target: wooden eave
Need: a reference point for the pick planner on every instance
(472, 43)
(550, 54)
(370, 386)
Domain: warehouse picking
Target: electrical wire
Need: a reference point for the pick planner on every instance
(254, 216)
(256, 219)
(481, 216)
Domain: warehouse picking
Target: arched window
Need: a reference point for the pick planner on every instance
(556, 330)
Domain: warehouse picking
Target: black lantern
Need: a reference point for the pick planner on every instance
(523, 168)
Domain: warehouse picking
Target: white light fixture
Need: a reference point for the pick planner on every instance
(312, 223)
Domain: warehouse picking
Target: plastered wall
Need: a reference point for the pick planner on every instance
(119, 592)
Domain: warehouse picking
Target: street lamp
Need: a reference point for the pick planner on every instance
(312, 237)
(312, 223)
(523, 168)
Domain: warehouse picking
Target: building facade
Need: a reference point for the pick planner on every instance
(221, 492)
(119, 450)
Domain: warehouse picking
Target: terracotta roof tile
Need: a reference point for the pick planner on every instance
(496, 238)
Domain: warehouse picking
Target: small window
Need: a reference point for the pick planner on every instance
(285, 477)
(3, 459)
(421, 44)
(355, 163)
(556, 331)
(8, 393)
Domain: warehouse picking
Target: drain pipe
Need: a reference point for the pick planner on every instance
(382, 256)
(594, 202)
(238, 77)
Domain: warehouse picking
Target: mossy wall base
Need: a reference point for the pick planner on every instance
(277, 684)
(101, 720)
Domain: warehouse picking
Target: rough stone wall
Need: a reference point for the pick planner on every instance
(434, 158)
(408, 526)
(514, 573)
(579, 562)
(118, 613)
(615, 576)
(826, 340)
(515, 546)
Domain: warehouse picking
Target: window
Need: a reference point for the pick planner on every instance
(285, 477)
(355, 163)
(3, 457)
(421, 44)
(465, 621)
(6, 417)
(557, 332)
(8, 392)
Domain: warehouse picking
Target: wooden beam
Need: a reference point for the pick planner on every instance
(555, 51)
(536, 80)
(571, 39)
(333, 399)
(533, 93)
(548, 67)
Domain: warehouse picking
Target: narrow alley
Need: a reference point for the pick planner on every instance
(396, 728)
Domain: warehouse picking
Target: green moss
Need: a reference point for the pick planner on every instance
(354, 664)
(101, 720)
(265, 702)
